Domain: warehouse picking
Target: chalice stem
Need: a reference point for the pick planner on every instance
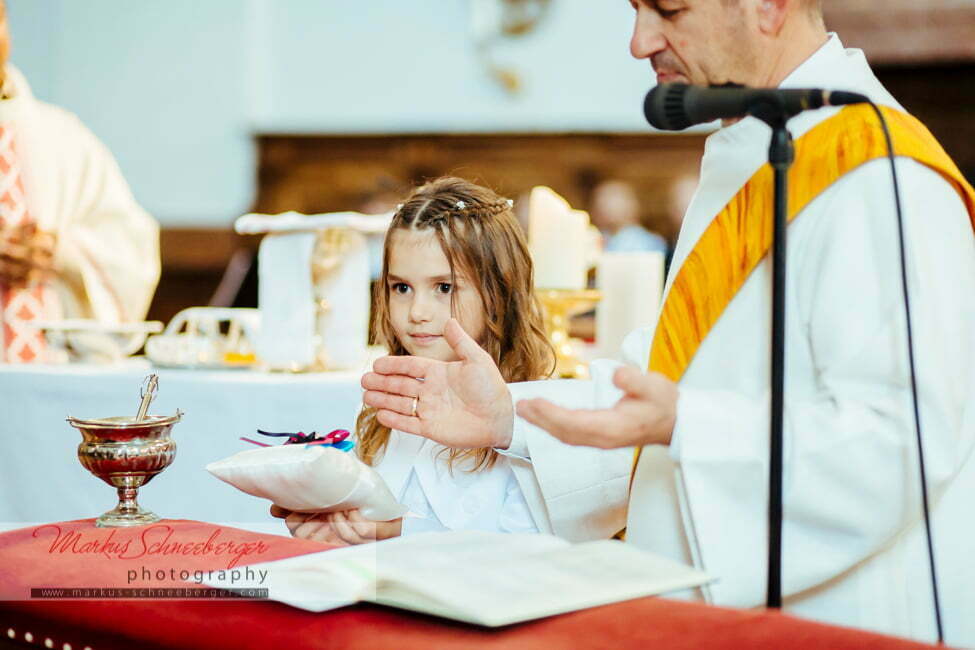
(127, 503)
(128, 512)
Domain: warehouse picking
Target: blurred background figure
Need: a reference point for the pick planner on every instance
(615, 210)
(679, 198)
(73, 241)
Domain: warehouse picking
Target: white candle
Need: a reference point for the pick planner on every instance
(558, 238)
(631, 284)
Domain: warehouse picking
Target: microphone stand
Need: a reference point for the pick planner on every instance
(781, 154)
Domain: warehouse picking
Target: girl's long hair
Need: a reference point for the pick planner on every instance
(482, 240)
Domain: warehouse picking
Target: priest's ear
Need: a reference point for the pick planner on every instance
(772, 14)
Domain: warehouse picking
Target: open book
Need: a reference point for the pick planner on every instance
(477, 577)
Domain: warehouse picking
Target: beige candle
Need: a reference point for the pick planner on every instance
(631, 284)
(558, 238)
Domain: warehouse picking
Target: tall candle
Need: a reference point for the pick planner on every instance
(558, 238)
(631, 285)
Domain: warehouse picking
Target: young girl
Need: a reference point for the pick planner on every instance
(453, 250)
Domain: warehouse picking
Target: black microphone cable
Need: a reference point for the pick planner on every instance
(910, 357)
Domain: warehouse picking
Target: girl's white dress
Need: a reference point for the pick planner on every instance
(441, 498)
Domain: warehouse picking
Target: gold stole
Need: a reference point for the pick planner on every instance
(741, 234)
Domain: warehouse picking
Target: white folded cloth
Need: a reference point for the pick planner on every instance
(313, 320)
(286, 299)
(255, 223)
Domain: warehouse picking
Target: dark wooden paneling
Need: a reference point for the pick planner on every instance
(193, 261)
(943, 97)
(199, 249)
(325, 173)
(906, 31)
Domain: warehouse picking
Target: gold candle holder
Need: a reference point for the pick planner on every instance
(558, 306)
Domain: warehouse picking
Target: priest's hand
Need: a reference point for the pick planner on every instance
(645, 415)
(462, 404)
(26, 254)
(340, 528)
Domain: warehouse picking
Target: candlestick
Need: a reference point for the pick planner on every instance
(559, 305)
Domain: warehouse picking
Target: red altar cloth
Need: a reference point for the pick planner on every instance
(76, 554)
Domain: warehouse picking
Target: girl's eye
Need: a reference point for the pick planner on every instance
(667, 14)
(400, 288)
(445, 287)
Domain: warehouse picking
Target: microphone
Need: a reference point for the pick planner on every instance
(673, 107)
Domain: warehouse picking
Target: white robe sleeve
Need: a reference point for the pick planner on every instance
(578, 493)
(851, 475)
(598, 393)
(107, 257)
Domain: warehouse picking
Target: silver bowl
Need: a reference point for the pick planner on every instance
(126, 454)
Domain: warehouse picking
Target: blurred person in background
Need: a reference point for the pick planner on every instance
(678, 201)
(615, 210)
(73, 241)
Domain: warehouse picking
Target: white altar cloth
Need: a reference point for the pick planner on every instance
(41, 479)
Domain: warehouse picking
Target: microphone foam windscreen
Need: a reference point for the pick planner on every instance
(664, 107)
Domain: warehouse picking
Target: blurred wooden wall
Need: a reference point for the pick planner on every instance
(911, 32)
(325, 173)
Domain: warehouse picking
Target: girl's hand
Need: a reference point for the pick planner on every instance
(340, 528)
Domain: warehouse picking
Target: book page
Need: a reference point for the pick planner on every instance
(315, 582)
(322, 581)
(478, 577)
(526, 587)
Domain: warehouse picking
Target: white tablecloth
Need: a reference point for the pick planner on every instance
(41, 479)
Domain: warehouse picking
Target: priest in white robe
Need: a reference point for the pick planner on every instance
(853, 543)
(73, 241)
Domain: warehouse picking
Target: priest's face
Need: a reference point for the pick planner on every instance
(699, 42)
(423, 295)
